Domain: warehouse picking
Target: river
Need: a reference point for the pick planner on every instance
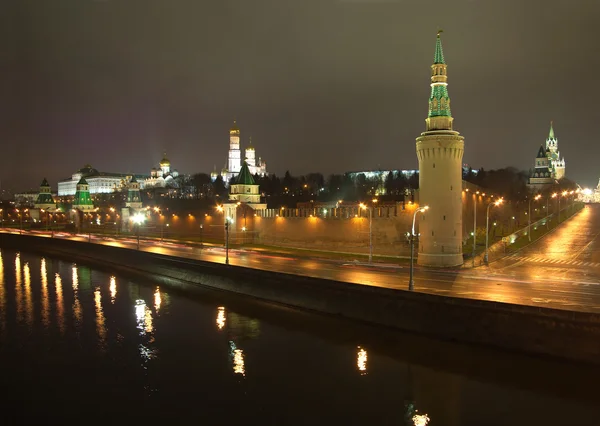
(83, 346)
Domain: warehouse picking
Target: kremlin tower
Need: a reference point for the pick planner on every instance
(440, 151)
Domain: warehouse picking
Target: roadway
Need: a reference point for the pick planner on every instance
(561, 271)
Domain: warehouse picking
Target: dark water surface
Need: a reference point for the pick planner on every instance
(79, 346)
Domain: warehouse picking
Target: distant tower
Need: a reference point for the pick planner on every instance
(251, 155)
(214, 174)
(44, 199)
(440, 152)
(82, 200)
(557, 164)
(134, 199)
(235, 163)
(165, 165)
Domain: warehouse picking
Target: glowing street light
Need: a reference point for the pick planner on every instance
(411, 283)
(487, 227)
(537, 197)
(138, 219)
(364, 207)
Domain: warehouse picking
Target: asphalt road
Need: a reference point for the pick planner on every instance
(562, 270)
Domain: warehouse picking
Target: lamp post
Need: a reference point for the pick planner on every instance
(364, 207)
(556, 195)
(1, 218)
(201, 235)
(20, 221)
(537, 197)
(487, 228)
(411, 283)
(227, 241)
(475, 225)
(548, 212)
(138, 219)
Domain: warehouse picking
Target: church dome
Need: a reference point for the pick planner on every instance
(88, 170)
(165, 161)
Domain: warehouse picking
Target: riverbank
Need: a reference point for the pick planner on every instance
(540, 331)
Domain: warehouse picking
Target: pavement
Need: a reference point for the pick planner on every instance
(561, 270)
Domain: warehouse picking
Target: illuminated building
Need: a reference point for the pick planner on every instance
(440, 151)
(44, 199)
(244, 193)
(98, 182)
(234, 160)
(549, 166)
(161, 177)
(134, 200)
(83, 200)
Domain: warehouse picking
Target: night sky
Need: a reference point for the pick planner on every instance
(320, 85)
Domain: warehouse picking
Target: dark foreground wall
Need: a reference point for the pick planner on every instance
(558, 333)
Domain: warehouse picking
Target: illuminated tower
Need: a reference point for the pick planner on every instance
(235, 163)
(250, 155)
(440, 151)
(557, 164)
(133, 194)
(82, 200)
(44, 199)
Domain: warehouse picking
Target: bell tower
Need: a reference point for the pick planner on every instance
(440, 152)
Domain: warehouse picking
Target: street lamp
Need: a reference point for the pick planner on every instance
(201, 235)
(487, 227)
(411, 283)
(226, 241)
(364, 207)
(556, 195)
(20, 221)
(537, 197)
(138, 219)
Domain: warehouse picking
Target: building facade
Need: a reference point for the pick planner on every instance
(440, 152)
(549, 166)
(255, 164)
(98, 182)
(161, 176)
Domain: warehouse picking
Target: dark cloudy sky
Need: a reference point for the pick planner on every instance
(320, 85)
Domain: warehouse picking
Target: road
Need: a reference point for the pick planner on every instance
(561, 271)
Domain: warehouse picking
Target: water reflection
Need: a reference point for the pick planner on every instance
(100, 326)
(143, 316)
(77, 311)
(45, 298)
(18, 287)
(113, 289)
(237, 357)
(28, 296)
(157, 300)
(420, 419)
(60, 309)
(221, 319)
(361, 361)
(2, 294)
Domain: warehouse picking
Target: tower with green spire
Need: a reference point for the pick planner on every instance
(83, 200)
(244, 200)
(440, 151)
(134, 200)
(45, 200)
(549, 166)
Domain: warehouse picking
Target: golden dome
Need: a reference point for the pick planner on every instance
(235, 130)
(165, 161)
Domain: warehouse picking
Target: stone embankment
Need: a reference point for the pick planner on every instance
(540, 331)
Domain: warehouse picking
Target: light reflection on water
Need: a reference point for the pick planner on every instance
(28, 296)
(77, 311)
(174, 360)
